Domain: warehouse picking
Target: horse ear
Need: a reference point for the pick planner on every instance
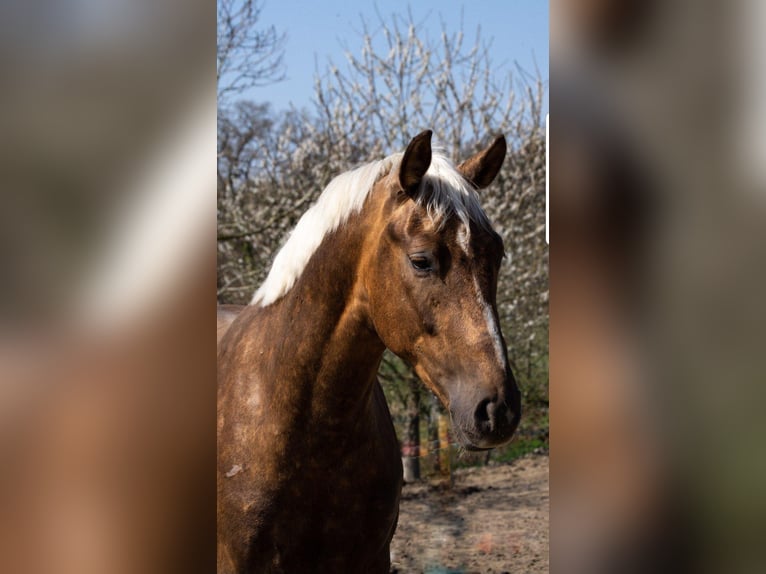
(415, 163)
(482, 168)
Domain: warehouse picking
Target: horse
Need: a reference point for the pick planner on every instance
(396, 254)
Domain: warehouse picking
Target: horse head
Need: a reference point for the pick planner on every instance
(431, 284)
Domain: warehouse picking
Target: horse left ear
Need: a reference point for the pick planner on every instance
(482, 168)
(415, 162)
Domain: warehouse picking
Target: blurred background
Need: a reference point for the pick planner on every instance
(657, 244)
(107, 289)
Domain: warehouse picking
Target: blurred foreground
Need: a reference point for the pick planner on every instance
(657, 310)
(107, 347)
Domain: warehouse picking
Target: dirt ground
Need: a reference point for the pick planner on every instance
(494, 519)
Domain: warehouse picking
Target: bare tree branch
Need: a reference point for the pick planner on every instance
(248, 54)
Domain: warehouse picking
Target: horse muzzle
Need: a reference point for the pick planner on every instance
(491, 422)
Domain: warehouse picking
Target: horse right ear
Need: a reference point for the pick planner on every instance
(415, 163)
(482, 168)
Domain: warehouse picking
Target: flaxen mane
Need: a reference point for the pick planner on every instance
(443, 191)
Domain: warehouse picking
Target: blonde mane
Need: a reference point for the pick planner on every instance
(443, 192)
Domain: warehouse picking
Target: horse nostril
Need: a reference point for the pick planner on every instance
(503, 417)
(495, 417)
(491, 415)
(483, 412)
(500, 412)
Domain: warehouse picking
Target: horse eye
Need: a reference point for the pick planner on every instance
(420, 263)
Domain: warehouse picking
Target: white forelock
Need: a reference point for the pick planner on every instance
(443, 192)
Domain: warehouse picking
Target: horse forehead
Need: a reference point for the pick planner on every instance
(472, 240)
(417, 221)
(478, 243)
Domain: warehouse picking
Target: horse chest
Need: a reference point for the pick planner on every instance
(323, 505)
(336, 495)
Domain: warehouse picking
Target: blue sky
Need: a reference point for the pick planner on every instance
(318, 30)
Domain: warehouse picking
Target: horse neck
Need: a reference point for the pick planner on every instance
(330, 350)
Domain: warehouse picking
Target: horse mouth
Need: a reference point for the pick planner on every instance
(467, 440)
(474, 448)
(474, 441)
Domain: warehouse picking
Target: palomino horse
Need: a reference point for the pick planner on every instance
(397, 253)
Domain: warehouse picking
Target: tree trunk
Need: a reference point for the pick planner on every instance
(433, 434)
(444, 459)
(411, 446)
